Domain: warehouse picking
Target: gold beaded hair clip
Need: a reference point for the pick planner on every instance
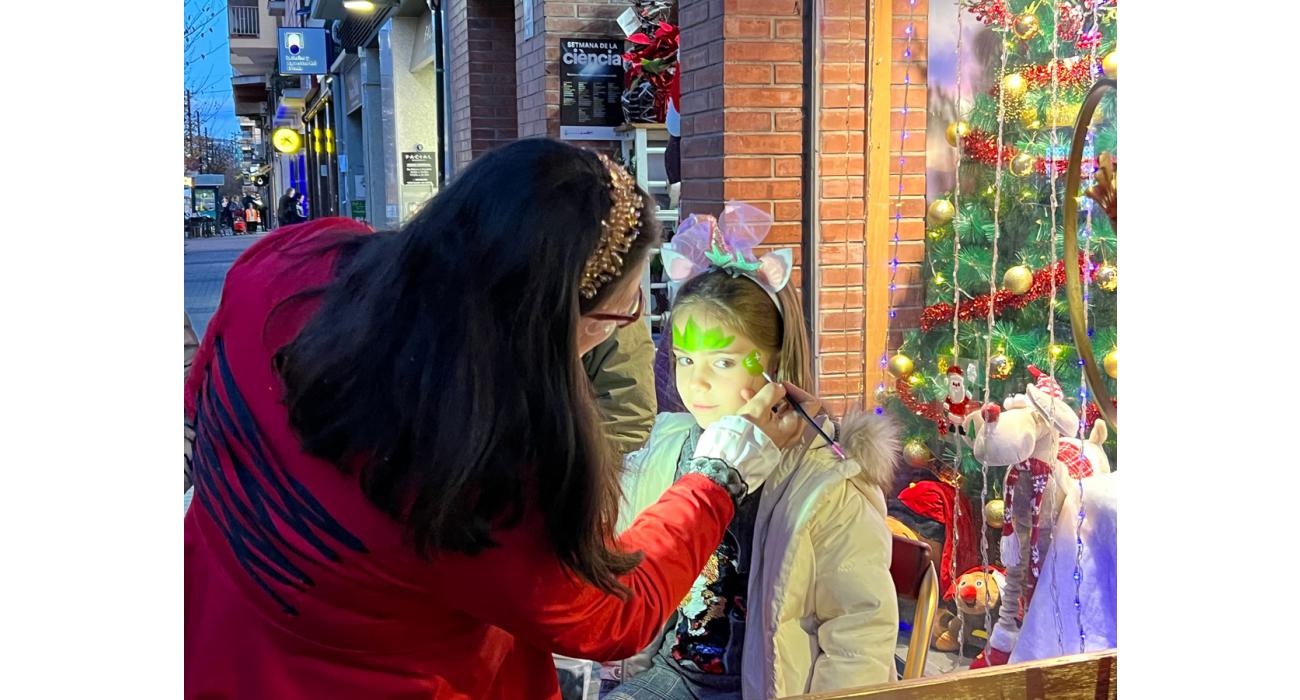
(617, 230)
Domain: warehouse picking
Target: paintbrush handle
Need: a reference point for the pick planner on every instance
(839, 452)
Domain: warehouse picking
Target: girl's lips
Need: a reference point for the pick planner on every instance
(702, 407)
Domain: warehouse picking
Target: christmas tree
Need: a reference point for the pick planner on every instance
(991, 240)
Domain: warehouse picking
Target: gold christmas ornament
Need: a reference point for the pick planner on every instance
(1029, 118)
(956, 131)
(916, 453)
(1026, 26)
(1014, 85)
(1018, 279)
(1022, 165)
(1000, 366)
(915, 379)
(941, 212)
(995, 514)
(900, 366)
(937, 234)
(1111, 363)
(1107, 277)
(1062, 114)
(1110, 64)
(1056, 350)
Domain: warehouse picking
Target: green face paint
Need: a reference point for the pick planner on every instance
(693, 339)
(753, 363)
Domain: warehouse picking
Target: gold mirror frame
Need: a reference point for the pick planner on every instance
(1073, 284)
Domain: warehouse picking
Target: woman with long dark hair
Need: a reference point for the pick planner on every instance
(401, 486)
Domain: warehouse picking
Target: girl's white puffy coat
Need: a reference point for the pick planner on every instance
(822, 609)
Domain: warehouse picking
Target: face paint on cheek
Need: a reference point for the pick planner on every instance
(753, 363)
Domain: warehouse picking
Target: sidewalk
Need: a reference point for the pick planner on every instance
(206, 262)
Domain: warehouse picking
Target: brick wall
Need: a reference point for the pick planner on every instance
(538, 67)
(742, 125)
(909, 298)
(480, 35)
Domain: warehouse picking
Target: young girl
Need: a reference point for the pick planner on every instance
(797, 597)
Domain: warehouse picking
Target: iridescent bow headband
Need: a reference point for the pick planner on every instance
(703, 243)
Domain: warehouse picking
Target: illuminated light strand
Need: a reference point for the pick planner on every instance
(898, 197)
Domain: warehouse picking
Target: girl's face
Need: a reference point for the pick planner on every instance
(711, 367)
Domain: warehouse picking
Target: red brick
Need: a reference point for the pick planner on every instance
(917, 72)
(918, 28)
(911, 251)
(843, 321)
(789, 121)
(916, 97)
(843, 187)
(784, 234)
(764, 51)
(741, 27)
(835, 209)
(840, 255)
(775, 144)
(746, 167)
(744, 73)
(788, 211)
(921, 8)
(916, 119)
(763, 97)
(703, 168)
(775, 8)
(841, 119)
(841, 276)
(789, 28)
(851, 142)
(842, 232)
(912, 165)
(788, 74)
(785, 167)
(842, 342)
(739, 121)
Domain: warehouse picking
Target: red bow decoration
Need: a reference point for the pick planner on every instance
(654, 59)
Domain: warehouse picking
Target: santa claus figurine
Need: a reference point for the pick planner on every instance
(959, 404)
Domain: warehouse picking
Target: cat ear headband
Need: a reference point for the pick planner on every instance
(703, 243)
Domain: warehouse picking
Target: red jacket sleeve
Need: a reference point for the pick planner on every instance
(521, 587)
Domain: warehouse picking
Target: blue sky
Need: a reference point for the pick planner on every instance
(208, 63)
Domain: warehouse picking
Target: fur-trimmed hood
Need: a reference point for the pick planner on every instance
(873, 442)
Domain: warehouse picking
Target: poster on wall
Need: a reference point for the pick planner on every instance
(591, 88)
(417, 168)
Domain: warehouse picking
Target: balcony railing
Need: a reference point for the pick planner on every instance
(244, 22)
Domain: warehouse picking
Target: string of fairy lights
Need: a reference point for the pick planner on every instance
(909, 32)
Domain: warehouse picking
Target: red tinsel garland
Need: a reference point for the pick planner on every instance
(931, 411)
(1092, 412)
(978, 308)
(1069, 74)
(982, 147)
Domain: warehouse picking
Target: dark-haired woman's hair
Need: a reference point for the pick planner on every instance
(443, 361)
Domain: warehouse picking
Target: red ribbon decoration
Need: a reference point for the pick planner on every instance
(978, 308)
(660, 49)
(931, 411)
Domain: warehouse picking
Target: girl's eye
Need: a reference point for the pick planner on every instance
(683, 361)
(724, 364)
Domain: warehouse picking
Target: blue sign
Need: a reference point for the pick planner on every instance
(303, 51)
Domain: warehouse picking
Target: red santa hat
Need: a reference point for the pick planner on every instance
(956, 370)
(1046, 396)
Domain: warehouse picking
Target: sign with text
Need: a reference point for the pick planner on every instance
(417, 168)
(591, 88)
(303, 51)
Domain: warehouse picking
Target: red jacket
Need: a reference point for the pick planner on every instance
(297, 587)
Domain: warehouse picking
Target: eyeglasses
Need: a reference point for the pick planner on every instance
(624, 320)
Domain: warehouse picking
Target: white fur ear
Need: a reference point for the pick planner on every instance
(776, 268)
(1016, 401)
(677, 266)
(1099, 432)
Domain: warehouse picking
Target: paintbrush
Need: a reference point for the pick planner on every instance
(752, 363)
